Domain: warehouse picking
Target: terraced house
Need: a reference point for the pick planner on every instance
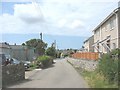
(88, 44)
(107, 33)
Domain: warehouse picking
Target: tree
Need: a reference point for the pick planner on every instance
(38, 45)
(51, 51)
(23, 44)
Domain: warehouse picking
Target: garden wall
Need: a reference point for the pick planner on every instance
(12, 74)
(88, 65)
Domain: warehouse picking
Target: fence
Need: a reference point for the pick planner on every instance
(86, 55)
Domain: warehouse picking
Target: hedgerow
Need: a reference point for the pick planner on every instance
(44, 61)
(109, 66)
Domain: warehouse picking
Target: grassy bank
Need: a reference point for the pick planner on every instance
(97, 80)
(107, 73)
(94, 78)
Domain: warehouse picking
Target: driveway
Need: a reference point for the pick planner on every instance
(60, 75)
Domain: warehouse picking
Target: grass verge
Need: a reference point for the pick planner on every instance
(97, 80)
(94, 78)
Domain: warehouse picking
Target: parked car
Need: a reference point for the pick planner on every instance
(4, 59)
(26, 64)
(14, 61)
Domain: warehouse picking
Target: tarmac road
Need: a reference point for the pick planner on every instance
(60, 75)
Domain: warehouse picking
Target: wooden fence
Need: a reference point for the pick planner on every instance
(86, 55)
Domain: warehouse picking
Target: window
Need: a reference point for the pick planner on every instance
(111, 24)
(98, 46)
(108, 43)
(103, 29)
(98, 33)
(106, 27)
(114, 46)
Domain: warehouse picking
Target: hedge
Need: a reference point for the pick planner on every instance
(108, 66)
(44, 61)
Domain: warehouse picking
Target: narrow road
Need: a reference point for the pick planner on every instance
(60, 75)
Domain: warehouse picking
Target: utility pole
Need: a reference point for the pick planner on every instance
(41, 36)
(55, 44)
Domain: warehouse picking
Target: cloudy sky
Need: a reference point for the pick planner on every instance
(70, 18)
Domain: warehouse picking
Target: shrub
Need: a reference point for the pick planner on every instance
(108, 66)
(66, 55)
(33, 66)
(44, 61)
(51, 52)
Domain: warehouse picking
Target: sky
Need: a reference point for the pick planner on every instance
(69, 22)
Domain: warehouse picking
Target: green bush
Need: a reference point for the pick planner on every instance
(44, 61)
(66, 55)
(108, 66)
(33, 66)
(51, 52)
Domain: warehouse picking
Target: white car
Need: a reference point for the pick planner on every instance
(14, 61)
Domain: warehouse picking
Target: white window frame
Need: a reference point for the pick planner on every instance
(114, 45)
(112, 24)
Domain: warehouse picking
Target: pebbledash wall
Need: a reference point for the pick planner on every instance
(12, 74)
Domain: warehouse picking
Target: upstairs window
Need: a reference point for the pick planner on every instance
(112, 25)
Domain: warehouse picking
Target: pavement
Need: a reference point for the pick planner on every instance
(60, 75)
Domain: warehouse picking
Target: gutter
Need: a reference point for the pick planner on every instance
(115, 11)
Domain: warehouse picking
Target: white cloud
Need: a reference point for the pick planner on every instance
(73, 1)
(77, 24)
(62, 23)
(68, 17)
(10, 24)
(29, 13)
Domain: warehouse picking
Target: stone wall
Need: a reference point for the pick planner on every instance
(22, 54)
(88, 65)
(12, 74)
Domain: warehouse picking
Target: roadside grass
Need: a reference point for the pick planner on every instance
(97, 80)
(94, 79)
(32, 66)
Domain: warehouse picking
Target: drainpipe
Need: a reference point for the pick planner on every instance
(117, 22)
(118, 15)
(100, 49)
